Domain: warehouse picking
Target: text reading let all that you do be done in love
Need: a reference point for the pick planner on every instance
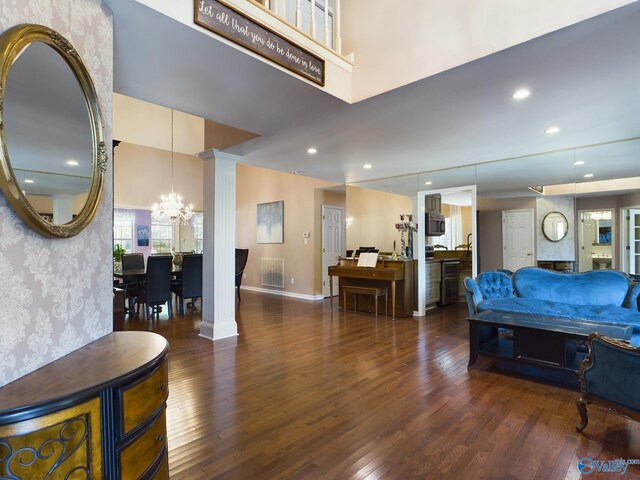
(231, 24)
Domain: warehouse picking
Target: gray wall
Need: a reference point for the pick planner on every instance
(56, 294)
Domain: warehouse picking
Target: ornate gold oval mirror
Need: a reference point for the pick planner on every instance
(53, 154)
(555, 226)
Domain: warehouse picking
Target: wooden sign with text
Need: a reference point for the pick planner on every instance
(233, 25)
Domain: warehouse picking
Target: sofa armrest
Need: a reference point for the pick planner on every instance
(633, 297)
(608, 377)
(473, 294)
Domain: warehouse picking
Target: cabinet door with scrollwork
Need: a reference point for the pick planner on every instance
(60, 445)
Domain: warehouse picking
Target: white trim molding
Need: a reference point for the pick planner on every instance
(282, 293)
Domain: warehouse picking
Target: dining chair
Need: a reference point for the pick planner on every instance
(242, 254)
(132, 261)
(190, 286)
(156, 289)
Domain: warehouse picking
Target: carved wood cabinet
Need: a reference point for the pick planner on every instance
(97, 413)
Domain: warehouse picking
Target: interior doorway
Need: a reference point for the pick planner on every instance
(332, 244)
(517, 239)
(466, 244)
(596, 240)
(630, 235)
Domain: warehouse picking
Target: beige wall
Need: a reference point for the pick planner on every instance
(259, 185)
(147, 124)
(142, 174)
(374, 216)
(436, 36)
(334, 197)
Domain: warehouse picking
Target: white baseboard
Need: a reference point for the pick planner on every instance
(301, 296)
(206, 330)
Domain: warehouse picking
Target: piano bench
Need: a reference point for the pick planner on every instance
(375, 292)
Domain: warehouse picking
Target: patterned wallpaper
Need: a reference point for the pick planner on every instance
(565, 249)
(56, 293)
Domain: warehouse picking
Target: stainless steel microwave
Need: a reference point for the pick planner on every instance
(434, 223)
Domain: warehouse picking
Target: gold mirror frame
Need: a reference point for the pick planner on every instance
(12, 44)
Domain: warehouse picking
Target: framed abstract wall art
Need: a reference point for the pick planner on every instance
(270, 227)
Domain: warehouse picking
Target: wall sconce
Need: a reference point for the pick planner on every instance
(349, 221)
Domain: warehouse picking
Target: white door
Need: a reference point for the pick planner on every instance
(634, 241)
(587, 238)
(517, 239)
(332, 235)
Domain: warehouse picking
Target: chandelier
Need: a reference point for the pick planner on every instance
(171, 207)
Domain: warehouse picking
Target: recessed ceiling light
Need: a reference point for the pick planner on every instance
(579, 162)
(367, 166)
(588, 175)
(312, 150)
(428, 183)
(72, 163)
(552, 130)
(28, 180)
(521, 93)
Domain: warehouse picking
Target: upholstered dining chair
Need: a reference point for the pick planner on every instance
(242, 254)
(156, 290)
(609, 377)
(131, 261)
(190, 285)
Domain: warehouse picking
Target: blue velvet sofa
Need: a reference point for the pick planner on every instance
(605, 296)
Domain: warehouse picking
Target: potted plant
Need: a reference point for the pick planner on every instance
(118, 251)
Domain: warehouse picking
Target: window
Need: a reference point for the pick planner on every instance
(161, 237)
(123, 221)
(198, 232)
(447, 239)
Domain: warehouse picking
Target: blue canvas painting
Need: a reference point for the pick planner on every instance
(142, 232)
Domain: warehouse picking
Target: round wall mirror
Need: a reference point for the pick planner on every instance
(555, 226)
(53, 154)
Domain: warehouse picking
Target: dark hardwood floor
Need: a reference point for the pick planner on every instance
(306, 393)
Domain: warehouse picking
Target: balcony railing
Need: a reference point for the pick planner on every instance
(319, 19)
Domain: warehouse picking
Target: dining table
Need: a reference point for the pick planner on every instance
(140, 273)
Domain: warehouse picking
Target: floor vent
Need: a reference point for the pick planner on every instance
(273, 272)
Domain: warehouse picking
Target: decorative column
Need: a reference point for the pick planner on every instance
(62, 209)
(218, 262)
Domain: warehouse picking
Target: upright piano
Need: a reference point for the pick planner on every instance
(397, 275)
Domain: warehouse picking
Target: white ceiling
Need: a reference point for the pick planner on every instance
(583, 78)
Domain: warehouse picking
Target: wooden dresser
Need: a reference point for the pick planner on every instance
(96, 413)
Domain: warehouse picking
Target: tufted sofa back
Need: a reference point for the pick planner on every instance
(495, 285)
(599, 287)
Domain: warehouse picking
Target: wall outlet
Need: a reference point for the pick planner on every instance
(244, 275)
(293, 280)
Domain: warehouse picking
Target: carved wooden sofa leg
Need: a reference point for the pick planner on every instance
(584, 418)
